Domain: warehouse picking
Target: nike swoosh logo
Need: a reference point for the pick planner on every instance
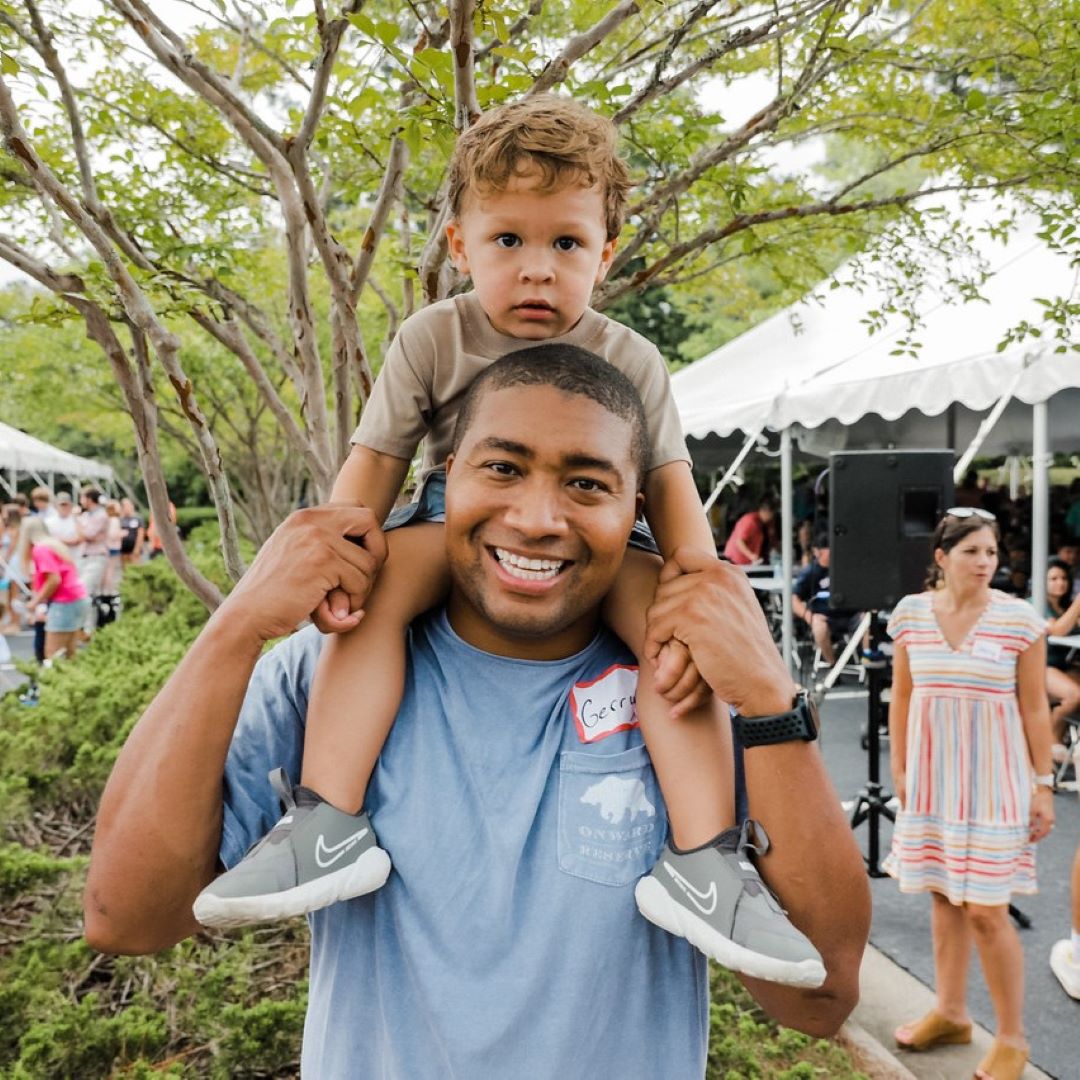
(328, 854)
(705, 902)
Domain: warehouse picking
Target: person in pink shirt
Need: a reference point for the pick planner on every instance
(56, 582)
(749, 540)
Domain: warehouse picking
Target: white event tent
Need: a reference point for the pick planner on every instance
(816, 375)
(22, 454)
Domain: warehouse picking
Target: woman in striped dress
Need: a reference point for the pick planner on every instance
(969, 729)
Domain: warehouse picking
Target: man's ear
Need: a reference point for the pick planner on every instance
(605, 260)
(639, 504)
(456, 244)
(449, 463)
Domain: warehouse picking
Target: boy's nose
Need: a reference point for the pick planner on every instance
(536, 268)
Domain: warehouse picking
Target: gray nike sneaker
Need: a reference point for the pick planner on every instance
(714, 897)
(313, 857)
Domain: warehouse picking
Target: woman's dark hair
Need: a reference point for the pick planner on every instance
(951, 531)
(1066, 569)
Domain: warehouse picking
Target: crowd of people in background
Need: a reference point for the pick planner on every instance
(61, 562)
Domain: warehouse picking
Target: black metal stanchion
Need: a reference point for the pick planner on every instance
(872, 801)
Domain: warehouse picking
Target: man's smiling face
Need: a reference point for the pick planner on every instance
(541, 497)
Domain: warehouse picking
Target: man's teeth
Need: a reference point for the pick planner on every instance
(528, 569)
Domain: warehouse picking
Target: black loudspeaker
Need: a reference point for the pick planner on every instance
(883, 508)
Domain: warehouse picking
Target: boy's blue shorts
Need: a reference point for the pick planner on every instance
(430, 505)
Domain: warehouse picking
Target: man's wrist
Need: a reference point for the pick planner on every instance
(769, 701)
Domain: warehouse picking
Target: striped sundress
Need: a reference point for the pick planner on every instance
(964, 831)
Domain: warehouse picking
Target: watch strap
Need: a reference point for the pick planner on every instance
(794, 725)
(1043, 780)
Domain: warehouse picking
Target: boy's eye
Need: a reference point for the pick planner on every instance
(566, 243)
(507, 240)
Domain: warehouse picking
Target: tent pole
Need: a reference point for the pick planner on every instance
(986, 426)
(750, 441)
(787, 543)
(1040, 504)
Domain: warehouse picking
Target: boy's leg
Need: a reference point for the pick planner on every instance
(704, 888)
(343, 740)
(691, 755)
(322, 850)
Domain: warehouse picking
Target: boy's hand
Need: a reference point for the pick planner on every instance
(333, 615)
(311, 554)
(678, 679)
(708, 605)
(339, 611)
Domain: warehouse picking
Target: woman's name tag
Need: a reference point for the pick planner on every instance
(987, 650)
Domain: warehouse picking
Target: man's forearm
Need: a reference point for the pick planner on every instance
(815, 868)
(159, 823)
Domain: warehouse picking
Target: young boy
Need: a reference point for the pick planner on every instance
(537, 193)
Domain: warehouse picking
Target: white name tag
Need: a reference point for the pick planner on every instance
(987, 650)
(605, 705)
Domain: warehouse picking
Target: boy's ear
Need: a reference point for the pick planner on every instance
(456, 243)
(606, 256)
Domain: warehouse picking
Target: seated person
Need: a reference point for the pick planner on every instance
(748, 544)
(810, 602)
(1062, 672)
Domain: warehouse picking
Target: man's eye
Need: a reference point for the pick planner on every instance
(507, 240)
(588, 485)
(566, 243)
(502, 468)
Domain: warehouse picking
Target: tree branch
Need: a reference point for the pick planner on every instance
(556, 70)
(466, 103)
(139, 310)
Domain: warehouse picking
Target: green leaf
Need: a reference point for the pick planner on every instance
(8, 64)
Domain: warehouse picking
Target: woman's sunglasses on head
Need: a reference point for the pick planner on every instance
(970, 511)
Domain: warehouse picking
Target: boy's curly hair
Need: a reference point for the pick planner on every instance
(565, 141)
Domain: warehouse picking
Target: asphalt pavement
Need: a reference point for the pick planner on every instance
(901, 923)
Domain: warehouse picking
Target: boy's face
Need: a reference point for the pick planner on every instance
(533, 256)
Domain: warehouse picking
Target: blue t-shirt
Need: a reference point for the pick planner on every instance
(519, 807)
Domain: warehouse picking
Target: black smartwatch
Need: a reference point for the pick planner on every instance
(799, 722)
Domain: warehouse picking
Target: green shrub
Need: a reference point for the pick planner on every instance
(187, 517)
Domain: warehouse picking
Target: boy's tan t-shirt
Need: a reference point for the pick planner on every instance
(440, 350)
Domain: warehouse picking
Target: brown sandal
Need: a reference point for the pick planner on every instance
(1003, 1062)
(934, 1030)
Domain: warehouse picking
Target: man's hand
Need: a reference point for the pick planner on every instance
(311, 556)
(709, 606)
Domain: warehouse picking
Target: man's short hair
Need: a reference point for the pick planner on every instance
(767, 502)
(63, 498)
(90, 492)
(566, 142)
(821, 540)
(41, 494)
(572, 370)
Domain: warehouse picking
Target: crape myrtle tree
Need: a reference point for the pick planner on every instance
(241, 200)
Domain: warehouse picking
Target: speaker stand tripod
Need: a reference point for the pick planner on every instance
(872, 801)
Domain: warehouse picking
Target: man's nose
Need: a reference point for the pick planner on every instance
(537, 511)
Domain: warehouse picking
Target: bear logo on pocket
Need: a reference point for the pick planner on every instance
(619, 798)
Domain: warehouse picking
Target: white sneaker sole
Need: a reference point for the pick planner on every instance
(1068, 973)
(658, 906)
(367, 874)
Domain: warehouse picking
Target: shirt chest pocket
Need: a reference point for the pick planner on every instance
(612, 821)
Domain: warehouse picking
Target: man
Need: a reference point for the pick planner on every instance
(64, 524)
(514, 787)
(93, 525)
(810, 602)
(749, 540)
